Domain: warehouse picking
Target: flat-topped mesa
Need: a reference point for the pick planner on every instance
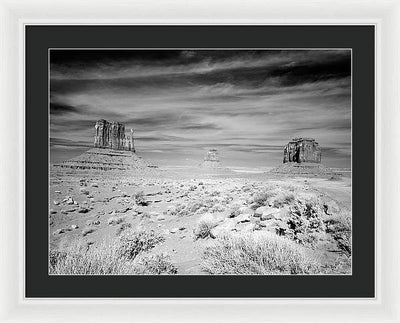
(211, 159)
(302, 150)
(112, 135)
(212, 156)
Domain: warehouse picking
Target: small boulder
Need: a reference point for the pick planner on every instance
(227, 226)
(174, 230)
(269, 213)
(83, 210)
(259, 211)
(69, 201)
(59, 231)
(246, 210)
(242, 218)
(83, 190)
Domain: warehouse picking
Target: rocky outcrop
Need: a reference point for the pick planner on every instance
(211, 159)
(302, 150)
(113, 150)
(112, 135)
(107, 159)
(212, 156)
(302, 156)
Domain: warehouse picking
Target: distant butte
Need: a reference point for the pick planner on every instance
(302, 150)
(113, 150)
(211, 159)
(302, 156)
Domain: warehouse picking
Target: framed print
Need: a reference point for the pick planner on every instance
(196, 165)
(210, 74)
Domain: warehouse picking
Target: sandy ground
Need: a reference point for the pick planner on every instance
(88, 199)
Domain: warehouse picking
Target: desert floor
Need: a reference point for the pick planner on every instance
(94, 207)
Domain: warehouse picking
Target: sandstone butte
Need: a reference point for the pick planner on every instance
(302, 156)
(211, 159)
(113, 150)
(112, 135)
(302, 150)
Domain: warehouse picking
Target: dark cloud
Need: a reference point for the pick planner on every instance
(200, 126)
(59, 108)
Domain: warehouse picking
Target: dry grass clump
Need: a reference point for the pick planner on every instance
(159, 264)
(276, 196)
(131, 242)
(258, 253)
(197, 207)
(118, 257)
(341, 265)
(282, 199)
(260, 199)
(75, 260)
(204, 228)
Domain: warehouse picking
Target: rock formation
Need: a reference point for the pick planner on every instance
(211, 159)
(112, 135)
(302, 156)
(302, 150)
(212, 156)
(113, 150)
(106, 159)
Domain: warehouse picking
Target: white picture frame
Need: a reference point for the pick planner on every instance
(15, 14)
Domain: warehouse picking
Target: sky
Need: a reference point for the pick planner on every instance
(247, 104)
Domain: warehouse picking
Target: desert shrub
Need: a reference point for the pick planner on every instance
(139, 199)
(258, 253)
(260, 199)
(196, 207)
(341, 265)
(305, 222)
(284, 198)
(115, 258)
(55, 256)
(339, 226)
(204, 228)
(131, 243)
(179, 210)
(157, 264)
(116, 220)
(94, 261)
(217, 208)
(123, 227)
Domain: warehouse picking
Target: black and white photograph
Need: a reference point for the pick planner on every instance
(200, 161)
